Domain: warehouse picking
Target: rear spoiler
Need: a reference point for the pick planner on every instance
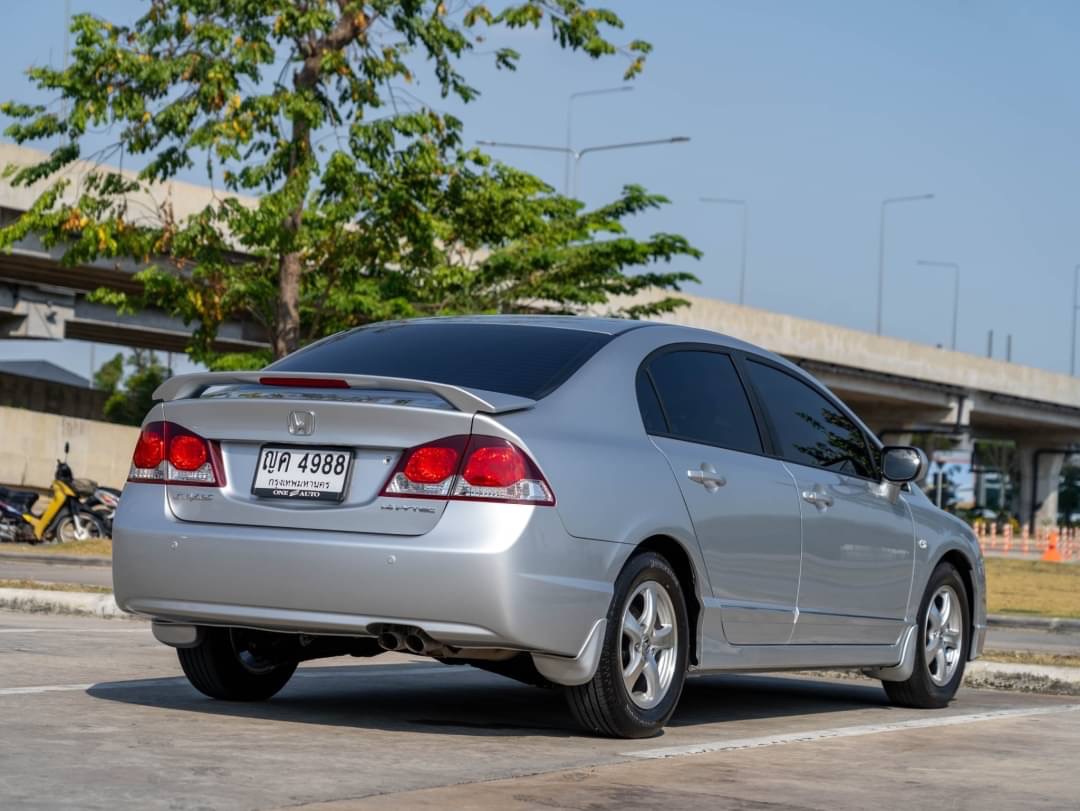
(468, 400)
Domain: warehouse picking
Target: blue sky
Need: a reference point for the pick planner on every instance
(813, 112)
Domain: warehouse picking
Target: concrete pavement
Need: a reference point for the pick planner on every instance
(55, 572)
(95, 715)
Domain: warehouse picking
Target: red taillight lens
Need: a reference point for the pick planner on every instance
(169, 453)
(188, 452)
(150, 449)
(469, 468)
(431, 464)
(495, 466)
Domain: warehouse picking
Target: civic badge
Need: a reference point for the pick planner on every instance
(302, 423)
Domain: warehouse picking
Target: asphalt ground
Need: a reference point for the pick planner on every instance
(94, 714)
(55, 573)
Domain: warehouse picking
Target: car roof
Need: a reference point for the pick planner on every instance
(665, 331)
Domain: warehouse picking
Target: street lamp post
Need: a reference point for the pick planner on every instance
(881, 249)
(956, 291)
(745, 209)
(1072, 351)
(570, 124)
(578, 154)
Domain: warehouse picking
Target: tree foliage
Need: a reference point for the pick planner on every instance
(130, 399)
(345, 202)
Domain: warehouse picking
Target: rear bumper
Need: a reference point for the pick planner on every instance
(498, 575)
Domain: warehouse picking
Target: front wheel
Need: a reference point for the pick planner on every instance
(943, 644)
(643, 663)
(235, 665)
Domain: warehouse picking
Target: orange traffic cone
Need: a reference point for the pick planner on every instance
(1052, 553)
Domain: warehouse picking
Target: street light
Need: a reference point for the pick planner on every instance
(1072, 351)
(745, 217)
(881, 249)
(578, 154)
(570, 122)
(956, 291)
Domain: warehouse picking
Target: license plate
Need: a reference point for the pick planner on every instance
(309, 474)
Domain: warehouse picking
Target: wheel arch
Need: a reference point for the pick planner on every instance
(966, 568)
(681, 561)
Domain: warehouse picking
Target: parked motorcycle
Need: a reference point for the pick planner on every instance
(13, 527)
(66, 518)
(103, 502)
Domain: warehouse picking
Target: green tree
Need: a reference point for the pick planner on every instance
(366, 208)
(130, 399)
(107, 378)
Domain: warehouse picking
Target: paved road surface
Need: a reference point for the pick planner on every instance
(55, 573)
(94, 716)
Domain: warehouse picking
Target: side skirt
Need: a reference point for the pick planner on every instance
(890, 661)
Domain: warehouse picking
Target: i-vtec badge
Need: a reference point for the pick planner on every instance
(302, 423)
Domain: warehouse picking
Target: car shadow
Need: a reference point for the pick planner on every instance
(464, 701)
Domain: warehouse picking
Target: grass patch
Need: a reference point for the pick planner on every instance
(95, 546)
(1032, 587)
(37, 584)
(1028, 657)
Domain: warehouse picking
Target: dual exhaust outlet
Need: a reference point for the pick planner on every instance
(412, 640)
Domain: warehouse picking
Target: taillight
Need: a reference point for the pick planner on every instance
(167, 453)
(427, 471)
(477, 468)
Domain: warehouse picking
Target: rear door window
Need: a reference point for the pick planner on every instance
(703, 400)
(527, 361)
(810, 429)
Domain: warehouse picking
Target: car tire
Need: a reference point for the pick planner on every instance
(607, 705)
(942, 644)
(222, 666)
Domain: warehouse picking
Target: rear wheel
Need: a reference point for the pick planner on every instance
(943, 644)
(643, 664)
(235, 665)
(81, 528)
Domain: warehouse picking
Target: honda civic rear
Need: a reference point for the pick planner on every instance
(365, 488)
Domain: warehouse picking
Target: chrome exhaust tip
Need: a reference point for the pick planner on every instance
(414, 643)
(391, 640)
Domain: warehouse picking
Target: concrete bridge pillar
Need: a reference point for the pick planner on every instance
(1040, 477)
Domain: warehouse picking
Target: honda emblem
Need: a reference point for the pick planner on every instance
(302, 423)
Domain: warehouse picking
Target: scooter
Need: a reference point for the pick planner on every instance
(65, 519)
(13, 527)
(103, 503)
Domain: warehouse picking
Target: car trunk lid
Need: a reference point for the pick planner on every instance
(374, 420)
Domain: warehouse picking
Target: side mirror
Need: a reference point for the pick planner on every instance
(67, 448)
(901, 464)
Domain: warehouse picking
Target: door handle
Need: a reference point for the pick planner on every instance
(707, 477)
(818, 498)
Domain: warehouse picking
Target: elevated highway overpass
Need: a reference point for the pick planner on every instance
(898, 387)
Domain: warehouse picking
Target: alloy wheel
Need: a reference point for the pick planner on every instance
(944, 635)
(649, 645)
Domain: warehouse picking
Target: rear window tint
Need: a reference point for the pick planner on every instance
(508, 358)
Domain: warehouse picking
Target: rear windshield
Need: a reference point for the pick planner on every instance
(508, 358)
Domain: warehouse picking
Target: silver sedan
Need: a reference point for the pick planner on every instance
(604, 505)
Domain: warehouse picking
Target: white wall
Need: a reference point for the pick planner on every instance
(31, 442)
